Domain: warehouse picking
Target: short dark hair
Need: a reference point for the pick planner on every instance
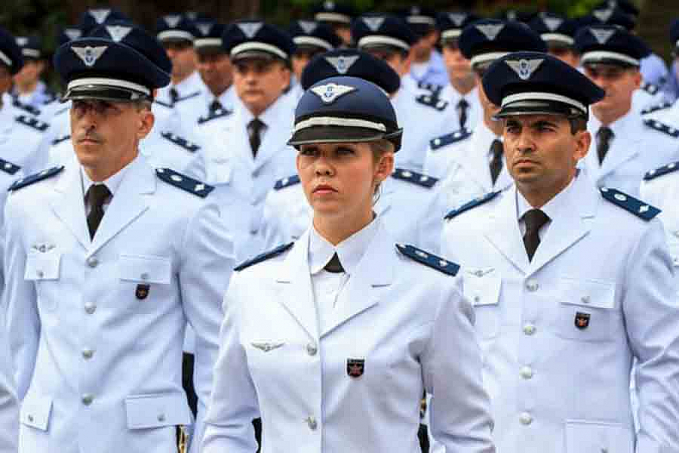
(578, 123)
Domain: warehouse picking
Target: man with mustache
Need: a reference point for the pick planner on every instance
(107, 259)
(570, 283)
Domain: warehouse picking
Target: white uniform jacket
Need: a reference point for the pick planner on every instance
(407, 321)
(23, 139)
(96, 326)
(556, 387)
(635, 149)
(474, 111)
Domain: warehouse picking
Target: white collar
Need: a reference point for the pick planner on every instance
(350, 251)
(189, 85)
(553, 208)
(113, 181)
(271, 116)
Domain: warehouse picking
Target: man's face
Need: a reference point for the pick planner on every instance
(396, 60)
(29, 73)
(105, 134)
(618, 82)
(541, 151)
(260, 82)
(183, 58)
(459, 68)
(344, 32)
(5, 79)
(301, 58)
(216, 71)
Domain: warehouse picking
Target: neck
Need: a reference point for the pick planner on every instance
(26, 87)
(218, 90)
(177, 79)
(537, 197)
(97, 174)
(423, 57)
(463, 86)
(336, 229)
(610, 116)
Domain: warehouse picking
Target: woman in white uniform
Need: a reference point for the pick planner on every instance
(332, 340)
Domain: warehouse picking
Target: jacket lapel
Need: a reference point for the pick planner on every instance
(503, 231)
(65, 204)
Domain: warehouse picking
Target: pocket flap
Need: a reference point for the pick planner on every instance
(585, 436)
(150, 269)
(587, 293)
(35, 411)
(152, 411)
(482, 286)
(42, 266)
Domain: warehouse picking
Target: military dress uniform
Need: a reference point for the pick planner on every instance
(561, 320)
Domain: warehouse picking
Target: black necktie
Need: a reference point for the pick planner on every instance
(496, 151)
(462, 108)
(215, 106)
(254, 131)
(603, 142)
(334, 265)
(534, 219)
(97, 194)
(174, 96)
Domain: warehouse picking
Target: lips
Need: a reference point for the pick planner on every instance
(324, 188)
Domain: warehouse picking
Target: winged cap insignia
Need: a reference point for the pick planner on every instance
(118, 32)
(524, 68)
(100, 15)
(204, 29)
(342, 64)
(89, 55)
(172, 20)
(329, 6)
(307, 25)
(73, 33)
(331, 91)
(457, 18)
(373, 23)
(603, 14)
(601, 35)
(552, 23)
(22, 41)
(250, 29)
(490, 31)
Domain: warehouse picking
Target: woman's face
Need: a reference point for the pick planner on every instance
(339, 179)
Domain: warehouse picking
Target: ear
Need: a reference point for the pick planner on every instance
(146, 122)
(385, 167)
(637, 78)
(583, 139)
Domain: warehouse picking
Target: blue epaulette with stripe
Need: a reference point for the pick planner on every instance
(472, 204)
(184, 182)
(428, 259)
(662, 127)
(420, 179)
(8, 167)
(220, 113)
(635, 206)
(60, 139)
(264, 256)
(665, 169)
(286, 182)
(28, 180)
(32, 122)
(649, 88)
(433, 87)
(453, 137)
(181, 142)
(188, 96)
(431, 100)
(655, 108)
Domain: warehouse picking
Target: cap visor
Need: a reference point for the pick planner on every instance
(254, 54)
(104, 94)
(539, 108)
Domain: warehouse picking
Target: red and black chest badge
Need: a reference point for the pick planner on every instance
(582, 320)
(355, 367)
(142, 291)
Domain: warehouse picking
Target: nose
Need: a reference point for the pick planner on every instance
(323, 167)
(525, 142)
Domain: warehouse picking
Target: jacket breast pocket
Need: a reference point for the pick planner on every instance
(145, 280)
(482, 288)
(586, 310)
(43, 269)
(585, 436)
(157, 410)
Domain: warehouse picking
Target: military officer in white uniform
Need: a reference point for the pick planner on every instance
(624, 146)
(563, 311)
(333, 339)
(408, 201)
(257, 130)
(107, 259)
(471, 162)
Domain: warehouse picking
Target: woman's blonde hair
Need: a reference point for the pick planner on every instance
(379, 148)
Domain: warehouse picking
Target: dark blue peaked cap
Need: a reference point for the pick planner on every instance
(345, 109)
(119, 62)
(554, 29)
(525, 83)
(175, 27)
(94, 17)
(209, 35)
(314, 35)
(334, 12)
(421, 20)
(610, 44)
(674, 33)
(68, 34)
(625, 6)
(451, 24)
(10, 52)
(608, 17)
(253, 38)
(486, 40)
(382, 31)
(353, 63)
(31, 46)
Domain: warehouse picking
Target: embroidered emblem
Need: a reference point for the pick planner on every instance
(582, 320)
(330, 92)
(142, 291)
(307, 25)
(73, 33)
(603, 14)
(490, 31)
(118, 32)
(355, 367)
(22, 41)
(342, 64)
(100, 15)
(373, 23)
(552, 23)
(601, 35)
(172, 20)
(267, 346)
(89, 55)
(457, 18)
(250, 29)
(524, 68)
(204, 28)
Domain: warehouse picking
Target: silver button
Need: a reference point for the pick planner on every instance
(40, 274)
(676, 233)
(477, 299)
(526, 372)
(529, 329)
(87, 399)
(92, 261)
(88, 353)
(311, 349)
(525, 418)
(90, 308)
(161, 417)
(585, 299)
(30, 418)
(144, 276)
(311, 421)
(532, 285)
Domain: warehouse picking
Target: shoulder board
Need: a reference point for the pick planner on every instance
(649, 88)
(286, 182)
(188, 96)
(472, 204)
(655, 108)
(434, 88)
(426, 258)
(432, 101)
(28, 180)
(190, 185)
(164, 104)
(60, 139)
(32, 122)
(9, 167)
(665, 169)
(25, 107)
(264, 256)
(662, 127)
(179, 141)
(631, 204)
(221, 113)
(414, 177)
(447, 139)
